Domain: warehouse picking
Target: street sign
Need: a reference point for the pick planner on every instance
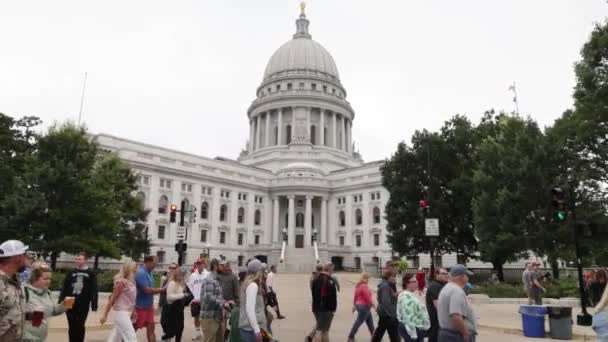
(181, 233)
(431, 227)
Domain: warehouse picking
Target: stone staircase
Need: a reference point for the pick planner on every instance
(298, 260)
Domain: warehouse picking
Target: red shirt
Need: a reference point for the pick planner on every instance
(363, 295)
(420, 277)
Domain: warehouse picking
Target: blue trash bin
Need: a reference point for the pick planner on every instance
(533, 320)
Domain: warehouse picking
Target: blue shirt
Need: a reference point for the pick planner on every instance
(143, 279)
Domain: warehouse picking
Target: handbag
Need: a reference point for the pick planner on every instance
(187, 298)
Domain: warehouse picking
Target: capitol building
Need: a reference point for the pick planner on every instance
(298, 193)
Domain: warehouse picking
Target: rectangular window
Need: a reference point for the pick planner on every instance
(239, 239)
(186, 187)
(377, 195)
(358, 240)
(376, 240)
(333, 91)
(269, 90)
(165, 183)
(161, 232)
(208, 191)
(325, 89)
(223, 238)
(373, 196)
(278, 87)
(355, 198)
(313, 86)
(288, 86)
(301, 85)
(189, 188)
(203, 235)
(146, 180)
(341, 240)
(160, 255)
(257, 239)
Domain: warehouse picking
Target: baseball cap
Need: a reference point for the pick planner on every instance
(458, 270)
(214, 262)
(11, 248)
(201, 261)
(254, 266)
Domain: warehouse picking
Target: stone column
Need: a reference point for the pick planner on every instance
(334, 126)
(348, 211)
(249, 220)
(291, 218)
(267, 142)
(349, 145)
(366, 223)
(324, 235)
(307, 221)
(293, 123)
(322, 128)
(344, 146)
(275, 219)
(280, 126)
(308, 114)
(257, 132)
(251, 135)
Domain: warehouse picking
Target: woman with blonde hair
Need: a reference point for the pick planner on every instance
(122, 302)
(173, 311)
(252, 316)
(600, 318)
(40, 305)
(362, 304)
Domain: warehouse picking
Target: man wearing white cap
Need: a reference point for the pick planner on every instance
(12, 303)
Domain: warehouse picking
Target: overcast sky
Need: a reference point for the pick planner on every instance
(181, 74)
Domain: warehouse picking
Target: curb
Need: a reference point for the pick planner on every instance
(519, 332)
(96, 327)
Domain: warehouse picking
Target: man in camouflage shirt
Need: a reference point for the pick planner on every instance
(213, 305)
(12, 301)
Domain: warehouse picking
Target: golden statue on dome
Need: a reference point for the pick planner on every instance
(302, 8)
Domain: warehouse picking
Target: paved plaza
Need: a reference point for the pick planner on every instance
(499, 322)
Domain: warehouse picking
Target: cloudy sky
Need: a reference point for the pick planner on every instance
(181, 74)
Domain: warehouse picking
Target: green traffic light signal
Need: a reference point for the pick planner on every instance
(561, 216)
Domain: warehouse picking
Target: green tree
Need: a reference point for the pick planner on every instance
(508, 189)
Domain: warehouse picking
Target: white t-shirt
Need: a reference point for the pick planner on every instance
(195, 282)
(270, 281)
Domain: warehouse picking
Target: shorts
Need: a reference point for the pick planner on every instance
(145, 317)
(195, 309)
(324, 319)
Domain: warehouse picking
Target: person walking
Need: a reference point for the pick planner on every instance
(122, 303)
(173, 311)
(536, 289)
(230, 285)
(324, 302)
(40, 306)
(144, 301)
(212, 305)
(362, 304)
(12, 301)
(252, 317)
(164, 280)
(597, 286)
(525, 280)
(432, 295)
(456, 316)
(80, 283)
(387, 308)
(194, 284)
(318, 270)
(411, 313)
(600, 318)
(273, 300)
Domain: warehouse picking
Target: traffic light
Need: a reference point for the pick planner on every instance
(181, 247)
(559, 204)
(173, 213)
(182, 213)
(425, 207)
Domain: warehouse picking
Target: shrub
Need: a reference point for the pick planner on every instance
(402, 265)
(105, 280)
(562, 288)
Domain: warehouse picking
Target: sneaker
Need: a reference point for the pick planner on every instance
(198, 337)
(281, 317)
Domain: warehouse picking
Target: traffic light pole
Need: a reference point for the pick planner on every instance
(583, 319)
(428, 165)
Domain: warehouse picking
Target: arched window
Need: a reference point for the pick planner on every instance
(313, 134)
(358, 217)
(276, 135)
(376, 215)
(163, 202)
(205, 210)
(288, 134)
(300, 220)
(257, 217)
(240, 217)
(342, 218)
(223, 210)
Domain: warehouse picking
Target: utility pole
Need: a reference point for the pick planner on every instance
(584, 318)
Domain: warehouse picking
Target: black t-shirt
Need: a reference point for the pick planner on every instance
(432, 293)
(324, 294)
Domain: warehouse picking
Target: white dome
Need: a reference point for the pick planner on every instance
(303, 54)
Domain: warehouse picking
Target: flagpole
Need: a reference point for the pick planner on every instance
(84, 87)
(514, 90)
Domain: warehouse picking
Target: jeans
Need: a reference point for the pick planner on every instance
(420, 334)
(600, 325)
(247, 335)
(364, 314)
(387, 324)
(123, 328)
